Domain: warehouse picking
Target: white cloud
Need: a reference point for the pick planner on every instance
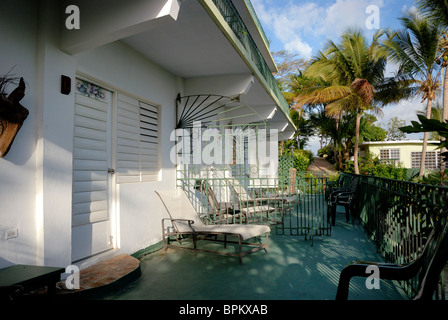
(288, 23)
(303, 26)
(405, 110)
(302, 48)
(346, 13)
(406, 9)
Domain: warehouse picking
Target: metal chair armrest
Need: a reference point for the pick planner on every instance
(387, 271)
(190, 222)
(180, 220)
(342, 196)
(347, 194)
(332, 184)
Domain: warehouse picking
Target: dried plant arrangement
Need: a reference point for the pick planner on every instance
(12, 113)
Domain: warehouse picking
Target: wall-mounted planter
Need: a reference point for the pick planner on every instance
(12, 116)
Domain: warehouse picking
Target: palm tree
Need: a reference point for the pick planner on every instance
(437, 10)
(350, 72)
(300, 83)
(323, 124)
(415, 49)
(436, 113)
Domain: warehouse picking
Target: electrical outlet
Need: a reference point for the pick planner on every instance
(12, 233)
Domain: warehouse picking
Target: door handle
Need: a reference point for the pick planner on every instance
(111, 171)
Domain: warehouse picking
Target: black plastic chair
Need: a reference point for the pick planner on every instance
(331, 186)
(428, 267)
(344, 197)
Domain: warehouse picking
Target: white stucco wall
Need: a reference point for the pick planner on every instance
(36, 175)
(17, 168)
(140, 210)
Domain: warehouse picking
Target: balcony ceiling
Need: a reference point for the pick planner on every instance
(192, 46)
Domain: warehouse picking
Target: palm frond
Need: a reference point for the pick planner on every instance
(394, 89)
(435, 10)
(344, 104)
(422, 39)
(321, 95)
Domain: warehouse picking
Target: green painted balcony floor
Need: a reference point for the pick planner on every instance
(292, 270)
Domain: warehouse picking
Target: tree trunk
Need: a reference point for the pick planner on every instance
(425, 140)
(358, 124)
(445, 111)
(337, 144)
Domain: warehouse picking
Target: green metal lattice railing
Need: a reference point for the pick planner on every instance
(236, 23)
(293, 206)
(251, 9)
(309, 216)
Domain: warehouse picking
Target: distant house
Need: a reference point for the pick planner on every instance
(408, 153)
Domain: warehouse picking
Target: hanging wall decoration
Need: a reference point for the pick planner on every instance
(12, 113)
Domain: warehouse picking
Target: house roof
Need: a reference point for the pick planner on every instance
(398, 142)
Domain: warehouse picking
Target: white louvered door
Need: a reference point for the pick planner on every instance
(91, 220)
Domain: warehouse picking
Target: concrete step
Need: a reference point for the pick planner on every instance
(103, 277)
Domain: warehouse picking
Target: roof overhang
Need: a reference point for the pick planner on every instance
(184, 38)
(398, 142)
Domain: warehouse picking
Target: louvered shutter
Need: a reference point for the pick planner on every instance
(137, 141)
(149, 142)
(128, 151)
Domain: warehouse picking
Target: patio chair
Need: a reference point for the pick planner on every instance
(252, 207)
(331, 185)
(428, 267)
(343, 197)
(220, 212)
(185, 221)
(342, 184)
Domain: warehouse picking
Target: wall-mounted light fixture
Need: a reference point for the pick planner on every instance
(66, 85)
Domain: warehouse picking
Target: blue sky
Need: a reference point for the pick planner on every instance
(303, 27)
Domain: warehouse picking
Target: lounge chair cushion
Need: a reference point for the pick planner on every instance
(249, 211)
(246, 231)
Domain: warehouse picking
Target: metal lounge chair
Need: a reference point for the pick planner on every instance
(219, 212)
(428, 267)
(186, 221)
(254, 207)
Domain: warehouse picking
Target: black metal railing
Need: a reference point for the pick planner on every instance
(399, 215)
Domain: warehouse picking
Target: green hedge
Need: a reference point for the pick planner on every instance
(374, 167)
